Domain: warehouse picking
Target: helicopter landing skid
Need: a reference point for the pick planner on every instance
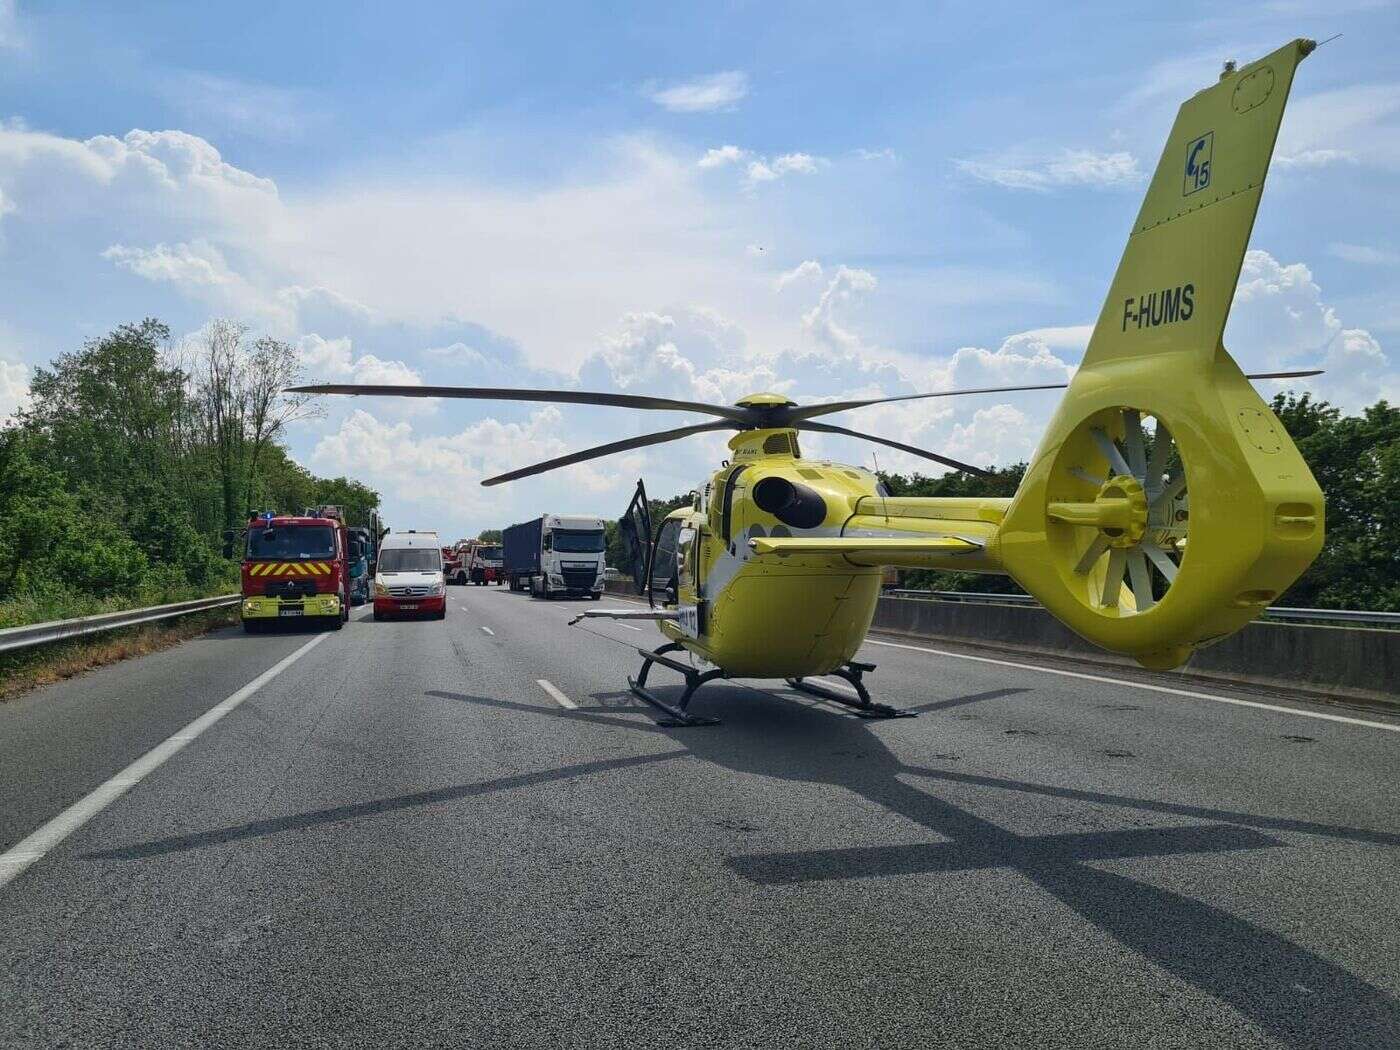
(853, 673)
(676, 714)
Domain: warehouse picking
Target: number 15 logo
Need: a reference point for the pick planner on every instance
(1198, 164)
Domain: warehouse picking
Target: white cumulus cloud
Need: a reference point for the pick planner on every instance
(764, 170)
(14, 388)
(806, 270)
(1067, 168)
(1365, 254)
(1281, 320)
(330, 359)
(703, 94)
(722, 155)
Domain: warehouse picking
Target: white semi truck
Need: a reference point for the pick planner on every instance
(555, 554)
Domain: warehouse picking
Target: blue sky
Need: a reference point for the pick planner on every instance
(695, 201)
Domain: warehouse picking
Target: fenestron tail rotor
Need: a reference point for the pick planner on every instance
(1129, 518)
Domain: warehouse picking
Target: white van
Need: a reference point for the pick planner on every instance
(408, 578)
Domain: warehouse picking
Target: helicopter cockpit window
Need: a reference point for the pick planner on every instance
(665, 577)
(686, 554)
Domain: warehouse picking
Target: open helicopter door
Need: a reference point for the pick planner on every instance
(634, 534)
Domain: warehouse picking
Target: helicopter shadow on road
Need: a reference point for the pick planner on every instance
(1257, 972)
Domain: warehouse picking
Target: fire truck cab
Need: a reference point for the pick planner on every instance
(296, 567)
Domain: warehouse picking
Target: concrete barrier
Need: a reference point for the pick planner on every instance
(1346, 662)
(1350, 662)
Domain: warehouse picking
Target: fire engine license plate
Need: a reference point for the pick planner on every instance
(288, 612)
(408, 605)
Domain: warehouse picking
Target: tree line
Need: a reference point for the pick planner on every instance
(131, 458)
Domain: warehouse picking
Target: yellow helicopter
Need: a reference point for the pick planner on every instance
(1165, 507)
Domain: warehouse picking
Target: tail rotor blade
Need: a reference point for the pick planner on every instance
(609, 449)
(827, 428)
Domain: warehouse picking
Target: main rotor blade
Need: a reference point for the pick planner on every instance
(827, 428)
(1285, 375)
(491, 393)
(606, 450)
(811, 411)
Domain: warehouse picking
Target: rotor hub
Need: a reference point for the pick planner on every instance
(1125, 495)
(1119, 511)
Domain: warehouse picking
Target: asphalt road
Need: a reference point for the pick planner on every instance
(404, 839)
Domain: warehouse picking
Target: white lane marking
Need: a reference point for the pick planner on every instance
(30, 849)
(488, 631)
(1389, 726)
(628, 627)
(558, 697)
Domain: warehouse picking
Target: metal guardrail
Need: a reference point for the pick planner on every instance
(32, 634)
(1274, 612)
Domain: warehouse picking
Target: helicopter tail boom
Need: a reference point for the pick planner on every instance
(862, 551)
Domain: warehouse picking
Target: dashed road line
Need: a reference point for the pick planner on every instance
(33, 847)
(558, 697)
(1388, 726)
(487, 630)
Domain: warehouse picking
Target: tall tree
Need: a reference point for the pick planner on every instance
(270, 367)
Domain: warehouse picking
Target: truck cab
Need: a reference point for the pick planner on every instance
(409, 577)
(485, 564)
(295, 567)
(556, 554)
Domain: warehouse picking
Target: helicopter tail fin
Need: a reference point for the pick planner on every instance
(1166, 506)
(1177, 277)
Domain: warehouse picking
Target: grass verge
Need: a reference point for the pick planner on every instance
(31, 668)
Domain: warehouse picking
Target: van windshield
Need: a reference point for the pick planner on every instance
(292, 541)
(578, 541)
(410, 559)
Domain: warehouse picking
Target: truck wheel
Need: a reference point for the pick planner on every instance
(252, 627)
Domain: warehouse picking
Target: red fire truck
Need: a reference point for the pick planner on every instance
(296, 567)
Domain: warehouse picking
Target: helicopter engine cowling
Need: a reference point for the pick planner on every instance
(794, 504)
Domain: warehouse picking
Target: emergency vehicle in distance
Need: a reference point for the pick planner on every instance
(473, 561)
(556, 554)
(408, 578)
(295, 567)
